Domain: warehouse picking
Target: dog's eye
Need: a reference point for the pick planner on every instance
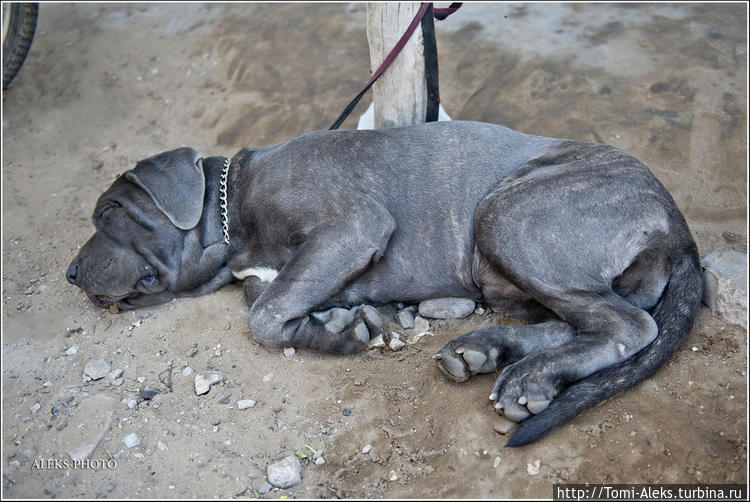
(148, 280)
(111, 205)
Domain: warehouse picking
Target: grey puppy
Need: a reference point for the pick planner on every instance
(578, 239)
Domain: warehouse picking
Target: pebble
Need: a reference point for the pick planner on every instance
(26, 453)
(131, 403)
(113, 309)
(115, 374)
(266, 488)
(725, 284)
(117, 382)
(268, 377)
(285, 473)
(35, 408)
(245, 404)
(421, 328)
(396, 343)
(479, 310)
(320, 461)
(367, 449)
(205, 380)
(503, 425)
(225, 399)
(140, 379)
(92, 420)
(161, 446)
(96, 369)
(289, 352)
(405, 319)
(14, 463)
(131, 440)
(446, 308)
(377, 342)
(71, 350)
(533, 469)
(346, 412)
(187, 371)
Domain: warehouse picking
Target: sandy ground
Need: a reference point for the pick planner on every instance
(106, 85)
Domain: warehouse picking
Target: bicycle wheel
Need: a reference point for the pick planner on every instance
(19, 23)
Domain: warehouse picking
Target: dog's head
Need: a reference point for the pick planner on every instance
(148, 238)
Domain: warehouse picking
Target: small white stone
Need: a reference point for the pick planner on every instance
(204, 381)
(35, 408)
(396, 343)
(694, 349)
(367, 449)
(405, 319)
(71, 351)
(533, 469)
(320, 461)
(285, 473)
(289, 352)
(162, 446)
(245, 404)
(115, 374)
(268, 377)
(131, 403)
(96, 369)
(187, 371)
(141, 379)
(377, 342)
(131, 440)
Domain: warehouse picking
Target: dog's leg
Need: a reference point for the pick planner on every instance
(322, 267)
(563, 234)
(486, 349)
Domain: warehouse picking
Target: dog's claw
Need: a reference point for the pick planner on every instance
(537, 406)
(474, 359)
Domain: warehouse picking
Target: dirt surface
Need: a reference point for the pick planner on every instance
(106, 85)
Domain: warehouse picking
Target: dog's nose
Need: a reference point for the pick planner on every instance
(72, 273)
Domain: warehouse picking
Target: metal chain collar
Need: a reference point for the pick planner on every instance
(223, 199)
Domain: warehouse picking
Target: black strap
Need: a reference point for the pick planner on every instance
(431, 66)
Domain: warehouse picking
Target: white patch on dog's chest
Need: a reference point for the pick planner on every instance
(265, 274)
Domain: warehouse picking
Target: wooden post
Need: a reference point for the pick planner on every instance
(400, 94)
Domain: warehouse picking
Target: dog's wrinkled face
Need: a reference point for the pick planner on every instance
(135, 256)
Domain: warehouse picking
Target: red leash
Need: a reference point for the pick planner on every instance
(439, 14)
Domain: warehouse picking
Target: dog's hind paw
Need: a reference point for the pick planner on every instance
(523, 389)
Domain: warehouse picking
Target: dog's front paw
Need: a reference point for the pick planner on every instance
(466, 356)
(348, 330)
(525, 388)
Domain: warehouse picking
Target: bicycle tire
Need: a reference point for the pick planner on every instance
(17, 39)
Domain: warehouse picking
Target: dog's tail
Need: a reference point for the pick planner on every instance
(674, 315)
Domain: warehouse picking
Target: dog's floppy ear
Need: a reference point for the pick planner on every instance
(175, 182)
